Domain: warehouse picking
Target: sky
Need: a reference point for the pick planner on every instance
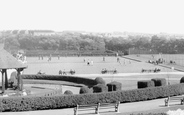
(145, 16)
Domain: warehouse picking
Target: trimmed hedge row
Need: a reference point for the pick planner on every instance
(145, 84)
(56, 102)
(68, 92)
(100, 88)
(85, 89)
(114, 86)
(155, 82)
(99, 80)
(159, 81)
(74, 79)
(182, 80)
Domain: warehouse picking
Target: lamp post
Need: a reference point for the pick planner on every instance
(172, 68)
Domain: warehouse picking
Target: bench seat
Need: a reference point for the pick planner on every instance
(96, 107)
(174, 99)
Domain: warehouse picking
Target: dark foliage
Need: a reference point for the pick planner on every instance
(100, 88)
(79, 80)
(99, 80)
(182, 80)
(68, 92)
(114, 86)
(84, 89)
(159, 81)
(145, 84)
(30, 103)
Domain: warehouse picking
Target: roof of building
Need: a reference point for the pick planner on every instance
(7, 61)
(45, 31)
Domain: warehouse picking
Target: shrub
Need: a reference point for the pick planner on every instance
(68, 92)
(100, 88)
(145, 84)
(159, 81)
(182, 80)
(99, 80)
(84, 89)
(114, 86)
(30, 103)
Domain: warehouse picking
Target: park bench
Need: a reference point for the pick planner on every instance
(109, 106)
(151, 70)
(104, 71)
(174, 99)
(66, 72)
(86, 108)
(96, 107)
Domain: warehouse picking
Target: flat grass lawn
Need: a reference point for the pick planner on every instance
(82, 69)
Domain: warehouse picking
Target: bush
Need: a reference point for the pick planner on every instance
(145, 84)
(114, 86)
(84, 89)
(99, 80)
(159, 81)
(68, 92)
(182, 80)
(30, 103)
(100, 88)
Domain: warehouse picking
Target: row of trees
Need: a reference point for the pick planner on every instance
(65, 42)
(81, 42)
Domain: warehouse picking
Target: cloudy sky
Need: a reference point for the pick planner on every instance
(149, 16)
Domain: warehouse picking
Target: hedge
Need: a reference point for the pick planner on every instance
(159, 81)
(100, 88)
(84, 89)
(68, 92)
(145, 84)
(28, 103)
(74, 79)
(99, 80)
(114, 86)
(182, 80)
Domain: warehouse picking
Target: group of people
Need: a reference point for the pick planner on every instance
(65, 72)
(104, 71)
(40, 57)
(21, 57)
(89, 62)
(40, 72)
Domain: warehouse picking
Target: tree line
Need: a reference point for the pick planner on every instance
(80, 42)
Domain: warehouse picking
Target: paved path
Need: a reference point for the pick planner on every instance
(128, 74)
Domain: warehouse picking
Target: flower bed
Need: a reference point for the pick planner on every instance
(74, 79)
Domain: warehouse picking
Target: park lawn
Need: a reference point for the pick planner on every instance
(93, 71)
(81, 67)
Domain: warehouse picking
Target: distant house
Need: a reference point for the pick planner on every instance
(41, 32)
(31, 32)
